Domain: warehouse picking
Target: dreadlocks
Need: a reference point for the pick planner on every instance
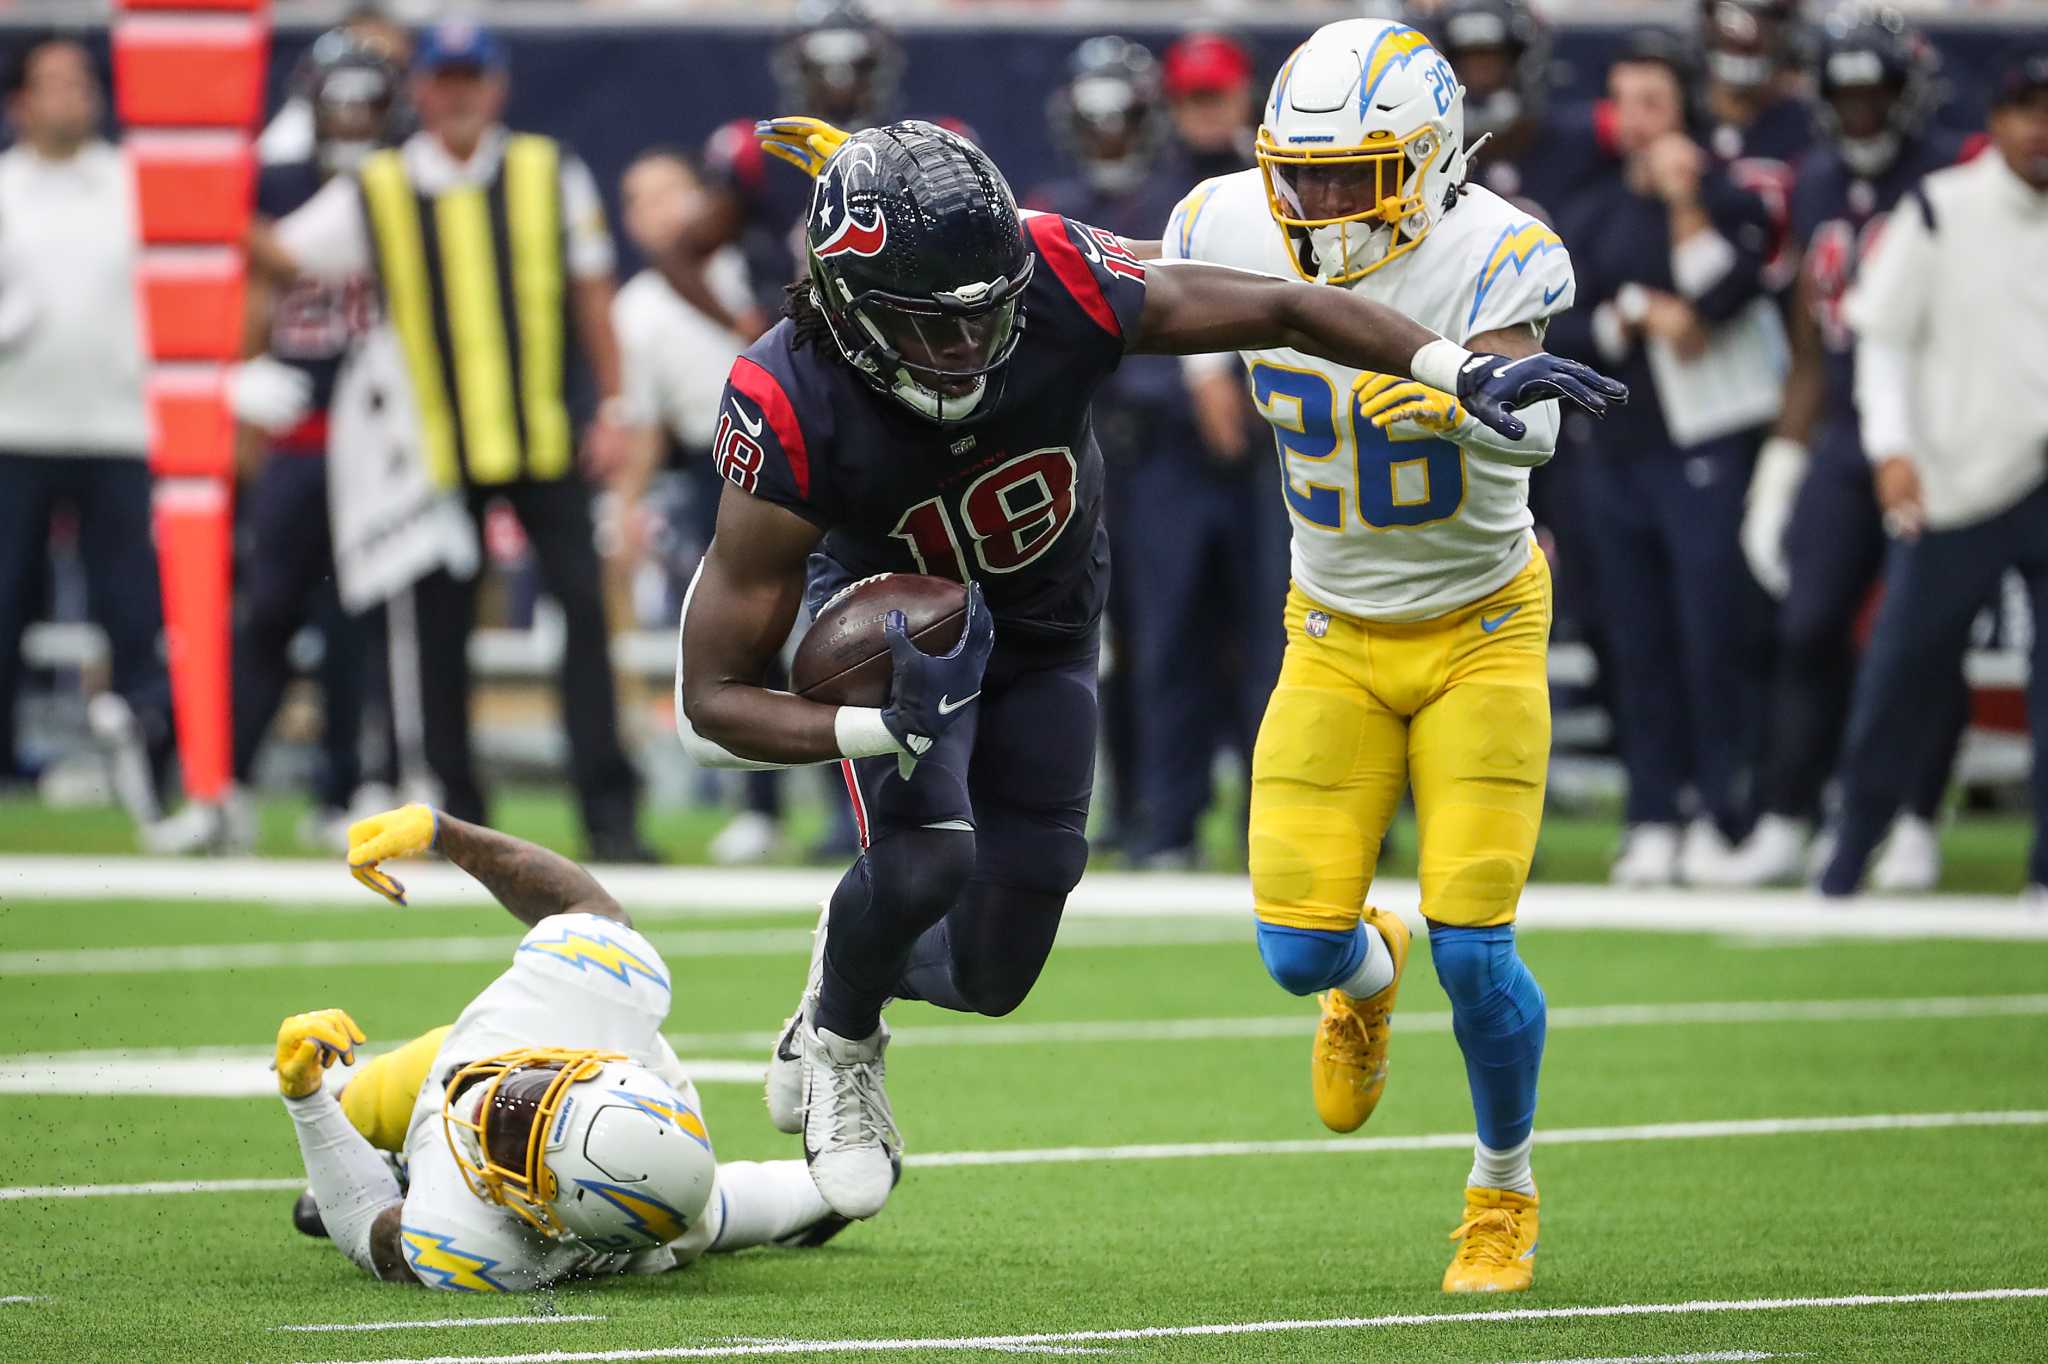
(800, 306)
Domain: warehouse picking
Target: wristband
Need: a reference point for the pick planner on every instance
(861, 733)
(1438, 363)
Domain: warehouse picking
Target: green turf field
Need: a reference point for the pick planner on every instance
(1180, 1040)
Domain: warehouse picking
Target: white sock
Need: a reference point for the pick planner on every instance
(1507, 1169)
(1375, 969)
(763, 1200)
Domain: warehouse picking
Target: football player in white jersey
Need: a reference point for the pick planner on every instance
(1419, 617)
(549, 1133)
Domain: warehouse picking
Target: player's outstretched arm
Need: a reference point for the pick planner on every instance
(528, 880)
(1192, 308)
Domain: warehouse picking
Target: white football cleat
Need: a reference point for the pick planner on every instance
(1702, 853)
(785, 1086)
(748, 836)
(1773, 854)
(1911, 860)
(850, 1137)
(119, 736)
(202, 828)
(1648, 857)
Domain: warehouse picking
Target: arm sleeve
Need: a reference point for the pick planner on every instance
(1890, 297)
(350, 1179)
(1884, 398)
(588, 238)
(327, 237)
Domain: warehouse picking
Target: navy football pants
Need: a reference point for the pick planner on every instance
(1835, 547)
(966, 868)
(1933, 588)
(1685, 624)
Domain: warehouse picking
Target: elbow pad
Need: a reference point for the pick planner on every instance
(1537, 445)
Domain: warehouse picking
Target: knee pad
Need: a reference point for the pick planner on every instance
(1489, 987)
(1304, 960)
(920, 873)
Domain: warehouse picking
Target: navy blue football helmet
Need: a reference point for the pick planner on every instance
(1110, 115)
(840, 64)
(1876, 78)
(358, 99)
(918, 263)
(1467, 31)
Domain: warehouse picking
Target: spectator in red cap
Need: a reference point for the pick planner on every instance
(1208, 81)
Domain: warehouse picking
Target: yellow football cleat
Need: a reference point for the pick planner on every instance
(1348, 1065)
(1497, 1243)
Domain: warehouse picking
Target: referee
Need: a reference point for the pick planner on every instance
(491, 253)
(1951, 316)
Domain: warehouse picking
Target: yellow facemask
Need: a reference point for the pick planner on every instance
(507, 1085)
(1383, 175)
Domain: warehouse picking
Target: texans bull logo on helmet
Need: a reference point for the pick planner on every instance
(862, 232)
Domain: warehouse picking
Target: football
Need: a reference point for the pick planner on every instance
(844, 659)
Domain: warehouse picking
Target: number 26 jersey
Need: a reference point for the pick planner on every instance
(1396, 525)
(1011, 499)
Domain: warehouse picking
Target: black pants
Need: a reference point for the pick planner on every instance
(1933, 588)
(557, 519)
(287, 581)
(110, 494)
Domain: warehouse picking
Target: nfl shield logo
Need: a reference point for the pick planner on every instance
(963, 445)
(1317, 624)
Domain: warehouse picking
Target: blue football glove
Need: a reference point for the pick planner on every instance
(1493, 386)
(928, 692)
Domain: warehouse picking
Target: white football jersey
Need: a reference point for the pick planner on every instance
(1397, 525)
(576, 980)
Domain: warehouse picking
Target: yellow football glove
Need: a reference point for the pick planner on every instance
(405, 832)
(1383, 400)
(806, 143)
(309, 1043)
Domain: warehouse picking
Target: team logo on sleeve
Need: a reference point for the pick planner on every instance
(587, 950)
(437, 1262)
(852, 231)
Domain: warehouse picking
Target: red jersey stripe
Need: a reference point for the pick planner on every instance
(766, 392)
(1049, 233)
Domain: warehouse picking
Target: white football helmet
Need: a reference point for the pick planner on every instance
(580, 1143)
(1363, 146)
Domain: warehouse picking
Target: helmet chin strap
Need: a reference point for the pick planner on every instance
(939, 407)
(1871, 156)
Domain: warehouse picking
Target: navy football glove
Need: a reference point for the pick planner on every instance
(1493, 386)
(928, 692)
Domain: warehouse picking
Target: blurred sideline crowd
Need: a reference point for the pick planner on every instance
(1718, 544)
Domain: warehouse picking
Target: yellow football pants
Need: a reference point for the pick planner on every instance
(378, 1100)
(1457, 708)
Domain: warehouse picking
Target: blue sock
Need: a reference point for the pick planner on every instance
(1305, 960)
(1497, 1013)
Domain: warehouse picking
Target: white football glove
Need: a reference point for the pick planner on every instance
(269, 394)
(1773, 488)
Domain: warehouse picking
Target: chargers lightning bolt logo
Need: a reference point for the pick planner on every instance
(1516, 247)
(671, 1110)
(438, 1264)
(851, 232)
(587, 949)
(651, 1217)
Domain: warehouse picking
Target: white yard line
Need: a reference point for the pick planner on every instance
(527, 1319)
(1698, 1357)
(1323, 1146)
(655, 893)
(1241, 1328)
(18, 1300)
(242, 1072)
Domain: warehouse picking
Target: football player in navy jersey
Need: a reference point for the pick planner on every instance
(1758, 106)
(1812, 532)
(925, 409)
(355, 98)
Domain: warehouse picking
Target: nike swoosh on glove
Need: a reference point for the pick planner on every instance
(1493, 386)
(929, 692)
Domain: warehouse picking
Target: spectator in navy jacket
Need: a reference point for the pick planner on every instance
(1668, 250)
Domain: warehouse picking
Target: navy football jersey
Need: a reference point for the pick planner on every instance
(315, 321)
(1836, 219)
(1012, 499)
(1763, 158)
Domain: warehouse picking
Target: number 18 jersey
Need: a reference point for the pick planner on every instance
(1396, 525)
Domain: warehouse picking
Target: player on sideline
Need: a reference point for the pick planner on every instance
(1419, 619)
(924, 409)
(549, 1133)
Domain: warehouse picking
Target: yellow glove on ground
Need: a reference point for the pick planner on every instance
(1383, 400)
(806, 143)
(309, 1043)
(405, 832)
